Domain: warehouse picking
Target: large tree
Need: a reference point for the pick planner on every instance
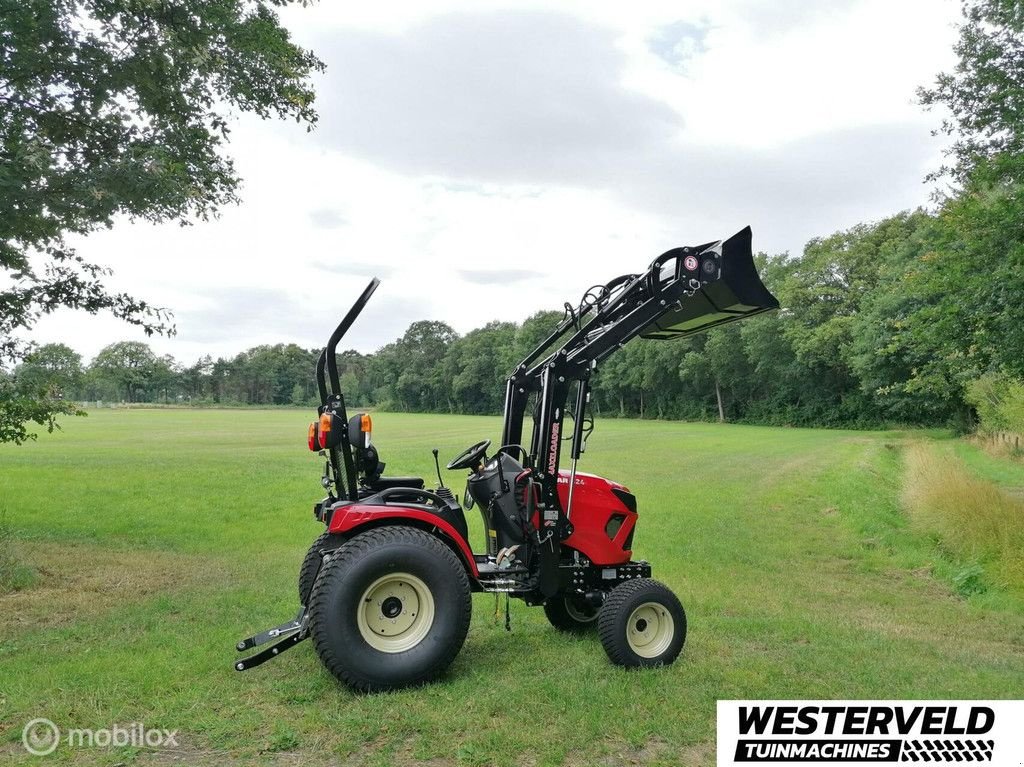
(418, 384)
(967, 291)
(52, 368)
(476, 366)
(38, 390)
(985, 91)
(128, 366)
(120, 108)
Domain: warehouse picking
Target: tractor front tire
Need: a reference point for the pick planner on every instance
(311, 563)
(642, 624)
(571, 614)
(390, 609)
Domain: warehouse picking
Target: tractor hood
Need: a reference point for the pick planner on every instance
(736, 294)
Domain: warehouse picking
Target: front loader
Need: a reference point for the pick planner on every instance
(385, 591)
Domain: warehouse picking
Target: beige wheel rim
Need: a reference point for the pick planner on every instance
(395, 613)
(650, 630)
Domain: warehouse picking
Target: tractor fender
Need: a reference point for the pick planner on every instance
(355, 518)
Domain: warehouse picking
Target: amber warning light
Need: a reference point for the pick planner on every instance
(325, 429)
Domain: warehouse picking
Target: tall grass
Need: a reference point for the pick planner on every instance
(1000, 444)
(973, 519)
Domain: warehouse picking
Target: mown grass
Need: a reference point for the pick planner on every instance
(161, 538)
(14, 573)
(1008, 474)
(973, 518)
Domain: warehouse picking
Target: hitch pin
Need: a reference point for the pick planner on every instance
(277, 632)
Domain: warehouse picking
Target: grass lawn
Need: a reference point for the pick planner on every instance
(160, 538)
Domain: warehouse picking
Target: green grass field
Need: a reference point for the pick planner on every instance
(160, 538)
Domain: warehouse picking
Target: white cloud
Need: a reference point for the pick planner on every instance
(488, 161)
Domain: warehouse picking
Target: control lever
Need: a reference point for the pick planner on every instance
(437, 466)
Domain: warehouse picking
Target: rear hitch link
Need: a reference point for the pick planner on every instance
(293, 631)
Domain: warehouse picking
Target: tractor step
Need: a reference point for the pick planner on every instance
(293, 632)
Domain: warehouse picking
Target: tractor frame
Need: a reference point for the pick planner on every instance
(555, 537)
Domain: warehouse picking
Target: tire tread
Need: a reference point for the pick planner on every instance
(608, 621)
(559, 617)
(357, 547)
(308, 569)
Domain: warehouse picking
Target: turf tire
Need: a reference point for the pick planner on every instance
(311, 562)
(351, 574)
(566, 615)
(642, 624)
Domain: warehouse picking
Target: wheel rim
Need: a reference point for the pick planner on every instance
(395, 612)
(650, 630)
(579, 614)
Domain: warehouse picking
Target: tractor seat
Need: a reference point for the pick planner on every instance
(386, 483)
(368, 462)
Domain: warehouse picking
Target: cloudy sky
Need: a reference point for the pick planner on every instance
(489, 159)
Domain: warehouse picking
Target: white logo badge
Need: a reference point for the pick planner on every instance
(40, 737)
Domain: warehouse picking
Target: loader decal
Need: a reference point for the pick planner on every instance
(556, 431)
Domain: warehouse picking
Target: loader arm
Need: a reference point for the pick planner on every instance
(684, 291)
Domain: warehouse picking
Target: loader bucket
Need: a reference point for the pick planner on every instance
(737, 294)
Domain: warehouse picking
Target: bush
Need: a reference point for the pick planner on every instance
(999, 401)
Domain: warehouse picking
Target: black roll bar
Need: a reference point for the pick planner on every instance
(329, 355)
(328, 385)
(321, 381)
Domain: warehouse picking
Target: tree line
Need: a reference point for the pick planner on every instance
(911, 320)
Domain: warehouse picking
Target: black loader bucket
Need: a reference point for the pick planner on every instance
(736, 294)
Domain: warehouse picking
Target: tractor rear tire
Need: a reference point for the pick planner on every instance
(390, 609)
(311, 563)
(642, 624)
(571, 614)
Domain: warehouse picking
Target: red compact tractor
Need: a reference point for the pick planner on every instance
(385, 590)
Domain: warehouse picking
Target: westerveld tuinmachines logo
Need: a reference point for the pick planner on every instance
(851, 732)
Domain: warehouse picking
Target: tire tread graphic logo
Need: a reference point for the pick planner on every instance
(947, 751)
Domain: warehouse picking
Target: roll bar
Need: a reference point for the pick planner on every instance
(328, 384)
(331, 383)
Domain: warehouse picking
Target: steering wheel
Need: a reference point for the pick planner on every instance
(470, 457)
